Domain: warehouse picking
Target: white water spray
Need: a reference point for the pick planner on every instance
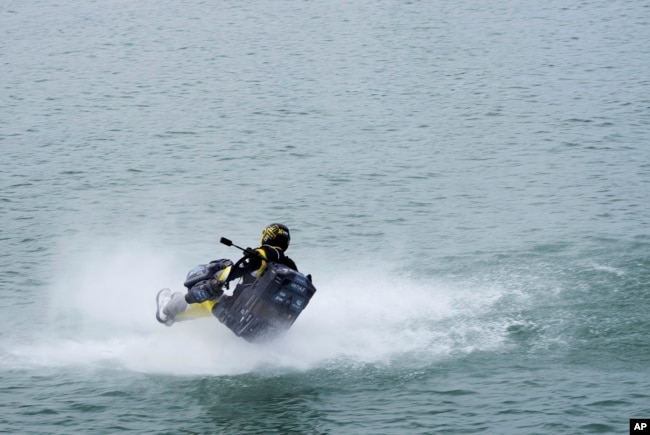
(102, 314)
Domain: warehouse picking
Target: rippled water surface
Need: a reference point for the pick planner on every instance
(467, 182)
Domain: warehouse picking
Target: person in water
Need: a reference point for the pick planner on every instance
(202, 296)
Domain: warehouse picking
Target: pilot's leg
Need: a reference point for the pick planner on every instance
(173, 308)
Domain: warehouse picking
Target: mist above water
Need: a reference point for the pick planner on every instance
(101, 313)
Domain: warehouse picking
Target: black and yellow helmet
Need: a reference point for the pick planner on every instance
(276, 235)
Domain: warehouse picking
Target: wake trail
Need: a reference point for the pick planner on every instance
(102, 314)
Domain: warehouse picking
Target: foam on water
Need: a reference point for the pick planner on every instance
(101, 314)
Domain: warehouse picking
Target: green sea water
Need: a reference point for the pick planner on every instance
(467, 182)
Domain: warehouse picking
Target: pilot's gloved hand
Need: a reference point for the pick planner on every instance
(250, 252)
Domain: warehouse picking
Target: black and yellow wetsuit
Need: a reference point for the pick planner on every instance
(251, 266)
(248, 268)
